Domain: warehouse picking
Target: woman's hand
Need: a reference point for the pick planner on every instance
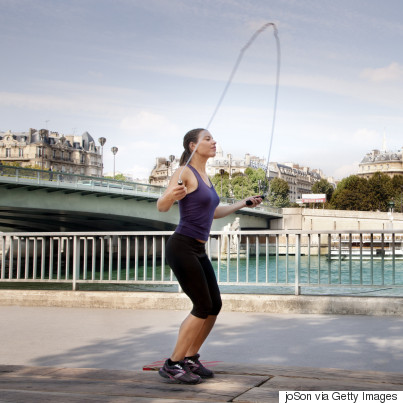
(253, 201)
(173, 193)
(178, 192)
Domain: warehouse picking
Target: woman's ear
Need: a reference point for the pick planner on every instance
(192, 146)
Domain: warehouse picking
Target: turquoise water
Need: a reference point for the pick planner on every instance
(316, 276)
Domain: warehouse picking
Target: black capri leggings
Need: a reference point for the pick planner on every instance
(188, 260)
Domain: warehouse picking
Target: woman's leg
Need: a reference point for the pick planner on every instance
(196, 276)
(189, 331)
(201, 336)
(215, 296)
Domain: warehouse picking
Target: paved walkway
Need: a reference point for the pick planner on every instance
(97, 355)
(126, 339)
(232, 383)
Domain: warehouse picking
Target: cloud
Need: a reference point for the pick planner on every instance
(365, 136)
(346, 170)
(393, 72)
(148, 123)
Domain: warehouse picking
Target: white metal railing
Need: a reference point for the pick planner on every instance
(245, 261)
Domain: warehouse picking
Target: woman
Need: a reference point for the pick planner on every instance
(185, 254)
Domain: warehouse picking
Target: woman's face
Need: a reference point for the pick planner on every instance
(207, 145)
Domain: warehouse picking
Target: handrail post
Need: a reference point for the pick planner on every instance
(76, 261)
(3, 257)
(297, 263)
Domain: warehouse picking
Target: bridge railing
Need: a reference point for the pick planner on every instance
(299, 262)
(28, 176)
(75, 181)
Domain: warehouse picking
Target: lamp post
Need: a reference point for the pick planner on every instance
(171, 159)
(222, 171)
(42, 147)
(114, 151)
(102, 141)
(391, 205)
(243, 181)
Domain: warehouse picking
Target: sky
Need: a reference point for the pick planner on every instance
(141, 73)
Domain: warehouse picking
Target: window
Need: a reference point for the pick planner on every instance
(20, 152)
(8, 152)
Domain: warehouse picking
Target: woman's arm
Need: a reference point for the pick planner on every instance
(175, 192)
(223, 211)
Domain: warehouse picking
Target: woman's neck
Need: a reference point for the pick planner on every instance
(199, 163)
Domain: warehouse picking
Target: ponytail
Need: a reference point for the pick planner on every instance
(190, 137)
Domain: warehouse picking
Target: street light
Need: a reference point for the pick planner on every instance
(222, 171)
(43, 135)
(391, 205)
(171, 159)
(114, 151)
(102, 141)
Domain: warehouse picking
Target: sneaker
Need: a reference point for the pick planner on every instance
(179, 373)
(197, 367)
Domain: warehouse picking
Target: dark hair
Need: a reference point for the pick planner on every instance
(191, 136)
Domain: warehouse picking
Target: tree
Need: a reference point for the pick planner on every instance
(241, 186)
(258, 180)
(351, 194)
(279, 193)
(221, 184)
(380, 191)
(323, 186)
(118, 177)
(397, 186)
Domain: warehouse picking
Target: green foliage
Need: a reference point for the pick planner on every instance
(118, 177)
(373, 194)
(11, 164)
(221, 184)
(397, 186)
(279, 193)
(380, 191)
(351, 194)
(242, 186)
(323, 187)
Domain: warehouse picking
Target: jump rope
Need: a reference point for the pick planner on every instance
(234, 70)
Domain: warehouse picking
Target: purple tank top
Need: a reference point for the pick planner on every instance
(197, 210)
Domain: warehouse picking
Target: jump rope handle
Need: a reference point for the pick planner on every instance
(249, 202)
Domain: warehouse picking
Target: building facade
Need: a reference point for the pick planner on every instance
(47, 150)
(388, 162)
(300, 179)
(162, 172)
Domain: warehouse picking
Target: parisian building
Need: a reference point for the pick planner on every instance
(163, 170)
(299, 179)
(388, 162)
(44, 149)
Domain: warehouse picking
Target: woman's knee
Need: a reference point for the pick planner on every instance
(216, 307)
(202, 309)
(206, 308)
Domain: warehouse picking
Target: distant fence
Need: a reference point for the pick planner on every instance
(245, 261)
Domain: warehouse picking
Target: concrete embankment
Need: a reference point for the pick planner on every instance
(303, 304)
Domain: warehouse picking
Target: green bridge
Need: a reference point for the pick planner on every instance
(36, 200)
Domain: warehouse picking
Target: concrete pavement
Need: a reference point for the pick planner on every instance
(232, 383)
(124, 339)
